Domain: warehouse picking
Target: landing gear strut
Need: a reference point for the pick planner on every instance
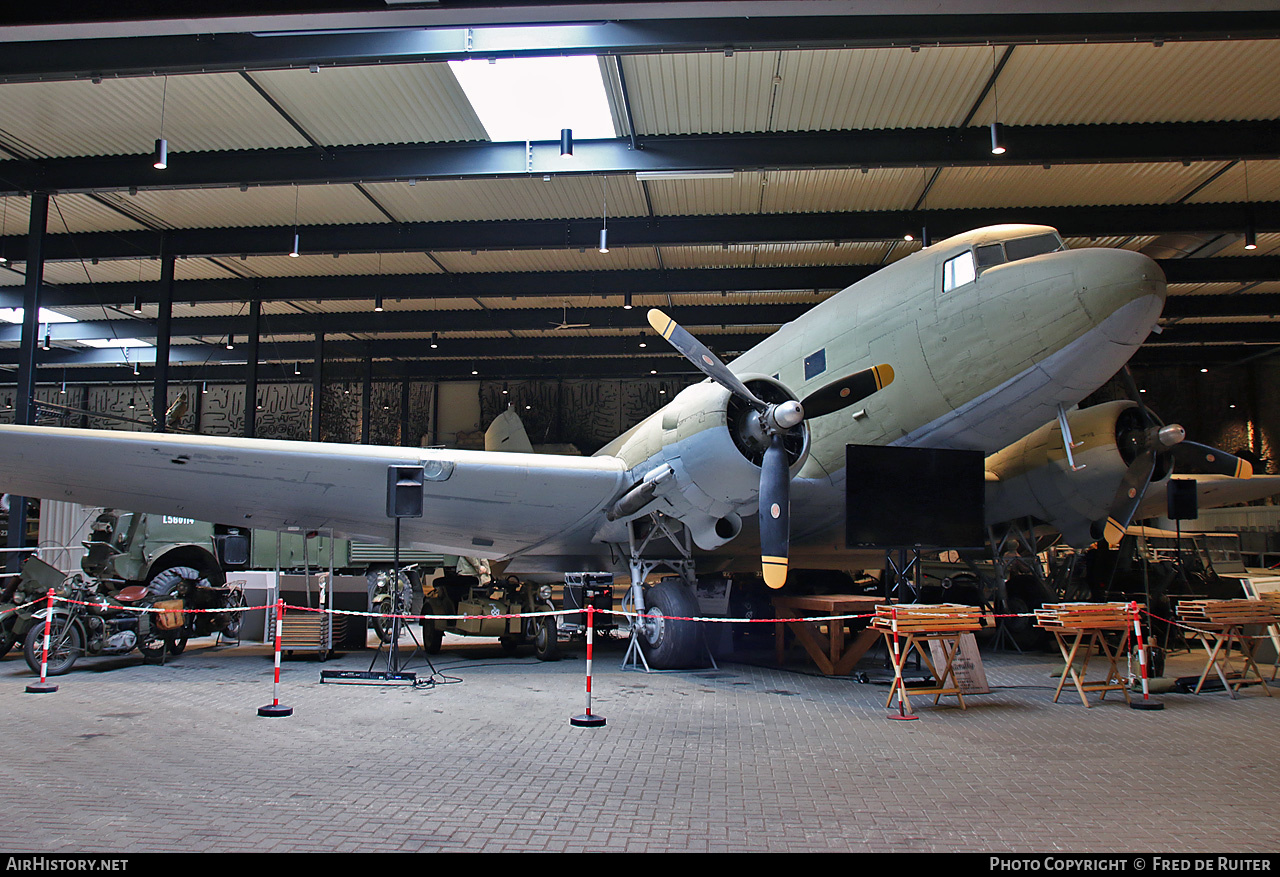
(660, 637)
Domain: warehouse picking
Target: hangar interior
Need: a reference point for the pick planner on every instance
(339, 248)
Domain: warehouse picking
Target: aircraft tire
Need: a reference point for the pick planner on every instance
(671, 645)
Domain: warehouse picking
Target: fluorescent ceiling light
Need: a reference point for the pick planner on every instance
(536, 98)
(14, 315)
(101, 343)
(685, 175)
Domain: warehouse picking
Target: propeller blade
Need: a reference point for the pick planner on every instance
(701, 356)
(775, 514)
(1213, 460)
(1132, 488)
(847, 391)
(1131, 387)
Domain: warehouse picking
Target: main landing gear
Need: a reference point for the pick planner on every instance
(661, 638)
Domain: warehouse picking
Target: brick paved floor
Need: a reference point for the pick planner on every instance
(128, 757)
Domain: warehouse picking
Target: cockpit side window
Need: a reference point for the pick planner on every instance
(958, 271)
(1025, 248)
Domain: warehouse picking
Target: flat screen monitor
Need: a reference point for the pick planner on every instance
(914, 497)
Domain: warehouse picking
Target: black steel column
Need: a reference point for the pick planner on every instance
(251, 372)
(366, 401)
(317, 387)
(164, 313)
(24, 395)
(404, 412)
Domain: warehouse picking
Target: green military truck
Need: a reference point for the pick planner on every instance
(134, 548)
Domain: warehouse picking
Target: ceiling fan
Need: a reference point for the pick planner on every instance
(565, 324)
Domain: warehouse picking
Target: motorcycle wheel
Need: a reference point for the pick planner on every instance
(65, 646)
(231, 630)
(176, 645)
(382, 624)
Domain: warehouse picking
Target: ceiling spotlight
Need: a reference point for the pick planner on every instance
(47, 343)
(435, 340)
(137, 304)
(604, 240)
(294, 251)
(997, 139)
(204, 388)
(296, 369)
(626, 302)
(1204, 371)
(160, 160)
(474, 370)
(377, 305)
(504, 388)
(566, 143)
(1250, 238)
(231, 342)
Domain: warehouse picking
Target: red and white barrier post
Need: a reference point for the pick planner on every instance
(274, 709)
(1147, 703)
(903, 715)
(587, 720)
(44, 686)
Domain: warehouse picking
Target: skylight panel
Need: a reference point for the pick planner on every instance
(14, 315)
(103, 343)
(534, 98)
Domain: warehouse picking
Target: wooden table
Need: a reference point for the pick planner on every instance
(835, 656)
(1088, 624)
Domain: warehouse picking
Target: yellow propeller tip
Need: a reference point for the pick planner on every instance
(775, 571)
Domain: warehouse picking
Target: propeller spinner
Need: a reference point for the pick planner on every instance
(773, 421)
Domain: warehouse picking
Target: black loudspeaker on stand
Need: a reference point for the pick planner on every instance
(404, 500)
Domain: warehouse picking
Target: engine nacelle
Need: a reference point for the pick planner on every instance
(705, 437)
(1035, 479)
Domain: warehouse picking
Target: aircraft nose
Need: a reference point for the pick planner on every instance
(1122, 291)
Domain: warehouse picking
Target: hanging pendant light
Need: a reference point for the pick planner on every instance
(160, 158)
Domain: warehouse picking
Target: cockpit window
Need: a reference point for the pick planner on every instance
(1025, 248)
(991, 254)
(958, 271)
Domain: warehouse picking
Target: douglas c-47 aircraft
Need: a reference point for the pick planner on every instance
(976, 342)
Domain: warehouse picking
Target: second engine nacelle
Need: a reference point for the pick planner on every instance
(1036, 481)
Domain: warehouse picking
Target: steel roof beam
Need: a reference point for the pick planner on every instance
(559, 234)
(933, 147)
(208, 52)
(512, 319)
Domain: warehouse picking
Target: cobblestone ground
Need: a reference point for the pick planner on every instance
(132, 757)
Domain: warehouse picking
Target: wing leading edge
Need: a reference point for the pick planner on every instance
(476, 502)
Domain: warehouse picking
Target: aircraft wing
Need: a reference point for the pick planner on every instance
(1212, 491)
(477, 503)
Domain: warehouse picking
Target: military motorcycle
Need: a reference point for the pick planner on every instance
(17, 600)
(92, 623)
(198, 594)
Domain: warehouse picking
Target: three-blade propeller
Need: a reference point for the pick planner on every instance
(774, 420)
(1148, 444)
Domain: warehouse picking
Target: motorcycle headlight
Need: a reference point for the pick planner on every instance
(544, 593)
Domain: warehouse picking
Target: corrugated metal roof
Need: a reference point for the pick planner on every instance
(255, 206)
(355, 265)
(74, 213)
(563, 196)
(399, 103)
(570, 259)
(1263, 178)
(122, 116)
(879, 88)
(760, 255)
(702, 93)
(1065, 185)
(1138, 82)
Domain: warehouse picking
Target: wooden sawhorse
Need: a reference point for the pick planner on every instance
(1070, 639)
(1220, 659)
